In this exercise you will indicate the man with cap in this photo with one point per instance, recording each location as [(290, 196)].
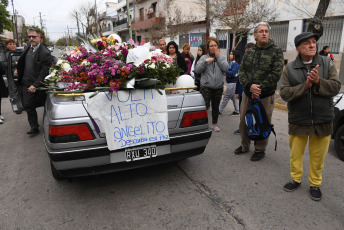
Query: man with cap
[(308, 85)]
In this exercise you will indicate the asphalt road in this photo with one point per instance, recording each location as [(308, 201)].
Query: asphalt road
[(215, 190)]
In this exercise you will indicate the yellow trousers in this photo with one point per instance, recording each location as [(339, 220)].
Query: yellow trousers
[(318, 148)]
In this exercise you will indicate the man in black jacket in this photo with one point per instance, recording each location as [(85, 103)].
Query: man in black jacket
[(33, 67)]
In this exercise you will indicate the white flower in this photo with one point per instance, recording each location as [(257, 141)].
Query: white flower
[(66, 67), (48, 77), (152, 66), (53, 73), (85, 63), (59, 62)]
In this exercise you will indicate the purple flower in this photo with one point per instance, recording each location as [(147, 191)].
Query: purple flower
[(125, 52)]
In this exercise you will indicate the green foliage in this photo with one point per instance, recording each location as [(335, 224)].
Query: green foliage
[(5, 21), (61, 42)]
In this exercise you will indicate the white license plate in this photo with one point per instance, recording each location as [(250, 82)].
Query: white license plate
[(134, 154)]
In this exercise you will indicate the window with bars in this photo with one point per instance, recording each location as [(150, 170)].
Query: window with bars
[(279, 34), (222, 37), (333, 28)]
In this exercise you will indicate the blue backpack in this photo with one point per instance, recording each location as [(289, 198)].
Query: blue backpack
[(257, 124)]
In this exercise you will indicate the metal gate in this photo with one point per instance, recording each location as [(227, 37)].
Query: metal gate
[(333, 29), (279, 34)]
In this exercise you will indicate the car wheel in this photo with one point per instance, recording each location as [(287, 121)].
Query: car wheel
[(339, 142), (55, 173)]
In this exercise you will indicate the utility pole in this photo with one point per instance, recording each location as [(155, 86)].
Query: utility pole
[(96, 16), (129, 21), (77, 21), (67, 36), (40, 20), (14, 21), (207, 18)]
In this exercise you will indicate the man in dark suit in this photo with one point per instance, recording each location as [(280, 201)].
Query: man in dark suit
[(33, 67)]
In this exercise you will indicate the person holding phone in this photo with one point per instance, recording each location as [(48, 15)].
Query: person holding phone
[(211, 67)]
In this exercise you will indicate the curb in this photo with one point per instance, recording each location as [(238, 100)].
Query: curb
[(279, 106)]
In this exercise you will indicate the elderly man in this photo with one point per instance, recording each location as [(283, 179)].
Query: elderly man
[(308, 85), (33, 67), (162, 46), (259, 73)]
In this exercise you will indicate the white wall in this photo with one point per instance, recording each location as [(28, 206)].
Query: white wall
[(295, 28)]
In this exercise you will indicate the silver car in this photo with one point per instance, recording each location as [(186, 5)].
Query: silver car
[(76, 149)]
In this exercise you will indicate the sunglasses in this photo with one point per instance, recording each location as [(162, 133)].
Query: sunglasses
[(33, 37)]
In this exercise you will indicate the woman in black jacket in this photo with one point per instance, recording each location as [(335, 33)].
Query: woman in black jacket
[(4, 58), (173, 52)]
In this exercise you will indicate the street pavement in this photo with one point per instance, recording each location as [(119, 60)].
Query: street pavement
[(215, 190)]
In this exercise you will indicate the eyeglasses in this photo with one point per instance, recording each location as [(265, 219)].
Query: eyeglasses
[(33, 37), (263, 31), (213, 46)]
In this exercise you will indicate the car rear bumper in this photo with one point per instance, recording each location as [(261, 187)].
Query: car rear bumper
[(98, 160)]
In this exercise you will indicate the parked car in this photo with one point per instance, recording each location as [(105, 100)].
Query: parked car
[(66, 123), (338, 125), (75, 148)]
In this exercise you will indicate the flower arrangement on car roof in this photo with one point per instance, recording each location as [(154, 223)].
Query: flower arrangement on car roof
[(111, 65)]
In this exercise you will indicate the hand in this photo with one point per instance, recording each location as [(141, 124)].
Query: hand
[(237, 96), (186, 59), (31, 89), (255, 90), (15, 73), (313, 76), (217, 52), (209, 59), (308, 84)]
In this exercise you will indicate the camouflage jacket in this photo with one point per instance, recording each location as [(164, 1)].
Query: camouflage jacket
[(262, 66)]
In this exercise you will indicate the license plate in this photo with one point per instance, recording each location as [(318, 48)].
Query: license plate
[(134, 154)]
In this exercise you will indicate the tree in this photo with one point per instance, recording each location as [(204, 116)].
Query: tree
[(5, 21), (239, 16), (173, 23), (61, 42), (316, 19), (86, 14)]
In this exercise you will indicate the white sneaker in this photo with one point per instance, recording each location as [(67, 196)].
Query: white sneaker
[(1, 121), (1, 117), (216, 128)]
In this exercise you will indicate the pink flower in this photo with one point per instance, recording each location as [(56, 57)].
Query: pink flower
[(143, 42), (131, 42)]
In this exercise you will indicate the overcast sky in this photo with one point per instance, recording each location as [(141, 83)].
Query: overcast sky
[(55, 14)]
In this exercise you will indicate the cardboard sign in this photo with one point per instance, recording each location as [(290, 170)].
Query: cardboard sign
[(130, 117)]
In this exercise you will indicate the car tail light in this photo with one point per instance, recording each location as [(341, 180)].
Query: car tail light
[(195, 118), (70, 133)]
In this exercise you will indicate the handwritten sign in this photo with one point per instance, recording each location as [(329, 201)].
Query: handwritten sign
[(130, 117)]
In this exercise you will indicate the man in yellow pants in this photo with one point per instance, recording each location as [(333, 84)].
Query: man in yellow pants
[(308, 85)]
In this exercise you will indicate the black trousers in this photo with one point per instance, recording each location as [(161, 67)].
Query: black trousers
[(30, 103)]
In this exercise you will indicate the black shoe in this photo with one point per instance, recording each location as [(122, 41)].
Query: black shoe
[(239, 151), (33, 131), (257, 156), (234, 114), (220, 114), (315, 193), (291, 186)]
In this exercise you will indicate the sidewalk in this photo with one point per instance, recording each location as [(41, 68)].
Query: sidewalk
[(279, 102)]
